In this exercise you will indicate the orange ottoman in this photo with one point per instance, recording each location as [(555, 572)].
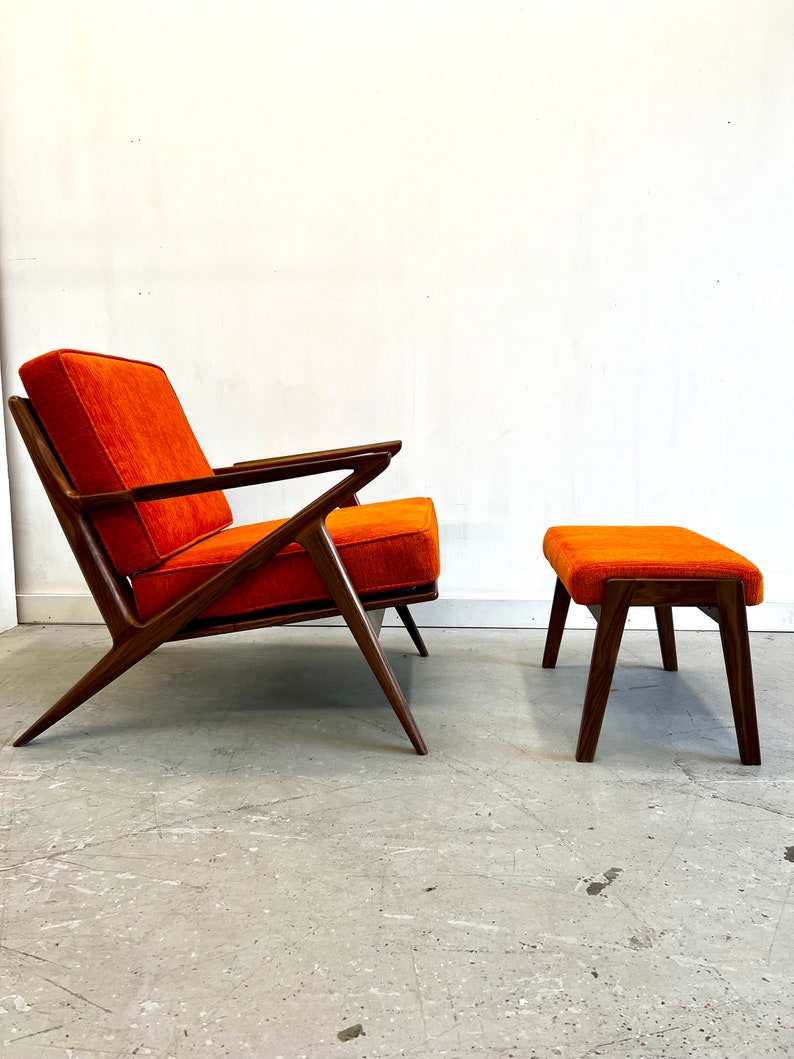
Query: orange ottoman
[(612, 568)]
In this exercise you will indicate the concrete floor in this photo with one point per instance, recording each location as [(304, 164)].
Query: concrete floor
[(235, 852)]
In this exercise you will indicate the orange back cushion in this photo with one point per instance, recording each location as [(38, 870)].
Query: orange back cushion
[(117, 424)]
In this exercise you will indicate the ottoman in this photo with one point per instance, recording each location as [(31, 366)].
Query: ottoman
[(612, 568)]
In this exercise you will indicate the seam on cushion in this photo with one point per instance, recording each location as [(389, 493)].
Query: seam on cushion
[(156, 572), (568, 549), (729, 561), (379, 538), (303, 599), (425, 501), (154, 569)]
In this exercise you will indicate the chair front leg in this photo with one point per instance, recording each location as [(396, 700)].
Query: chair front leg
[(320, 548), (609, 632), (739, 668), (559, 612)]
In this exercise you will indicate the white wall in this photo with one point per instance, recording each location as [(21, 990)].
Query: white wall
[(8, 602), (548, 244)]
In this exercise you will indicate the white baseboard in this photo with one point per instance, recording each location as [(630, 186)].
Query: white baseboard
[(448, 612)]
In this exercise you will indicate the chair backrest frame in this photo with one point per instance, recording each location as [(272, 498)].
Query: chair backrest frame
[(111, 590)]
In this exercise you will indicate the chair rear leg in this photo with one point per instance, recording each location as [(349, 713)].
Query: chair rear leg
[(664, 626), (739, 669), (408, 621), (609, 632), (559, 612), (321, 550)]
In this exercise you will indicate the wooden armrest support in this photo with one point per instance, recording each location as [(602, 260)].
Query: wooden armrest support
[(183, 611), (392, 447), (234, 478)]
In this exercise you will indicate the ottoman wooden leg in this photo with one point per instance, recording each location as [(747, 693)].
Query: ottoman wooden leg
[(738, 666), (664, 626), (559, 612), (611, 622)]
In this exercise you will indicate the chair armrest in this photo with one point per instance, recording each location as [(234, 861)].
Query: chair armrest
[(259, 473), (364, 469), (392, 447)]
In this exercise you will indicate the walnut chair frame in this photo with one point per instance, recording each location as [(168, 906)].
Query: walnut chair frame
[(132, 639), (722, 599)]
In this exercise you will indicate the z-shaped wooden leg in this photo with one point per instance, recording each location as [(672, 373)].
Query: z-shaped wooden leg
[(323, 554), (123, 655)]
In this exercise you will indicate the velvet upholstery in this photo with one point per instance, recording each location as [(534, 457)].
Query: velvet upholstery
[(407, 554), (584, 557), (117, 424)]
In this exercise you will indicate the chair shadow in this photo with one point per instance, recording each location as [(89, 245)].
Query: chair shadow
[(258, 681), (649, 708)]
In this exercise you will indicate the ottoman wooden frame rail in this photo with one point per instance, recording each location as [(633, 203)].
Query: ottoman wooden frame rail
[(612, 568)]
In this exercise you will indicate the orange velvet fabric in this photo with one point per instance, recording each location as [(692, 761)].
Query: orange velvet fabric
[(384, 546), (584, 557), (117, 424)]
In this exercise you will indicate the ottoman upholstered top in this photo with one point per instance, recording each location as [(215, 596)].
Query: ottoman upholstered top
[(584, 557)]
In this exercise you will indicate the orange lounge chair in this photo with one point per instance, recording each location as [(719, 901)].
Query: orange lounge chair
[(147, 520)]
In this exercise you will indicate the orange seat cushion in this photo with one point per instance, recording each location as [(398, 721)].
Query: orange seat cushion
[(384, 546), (117, 424), (584, 557)]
